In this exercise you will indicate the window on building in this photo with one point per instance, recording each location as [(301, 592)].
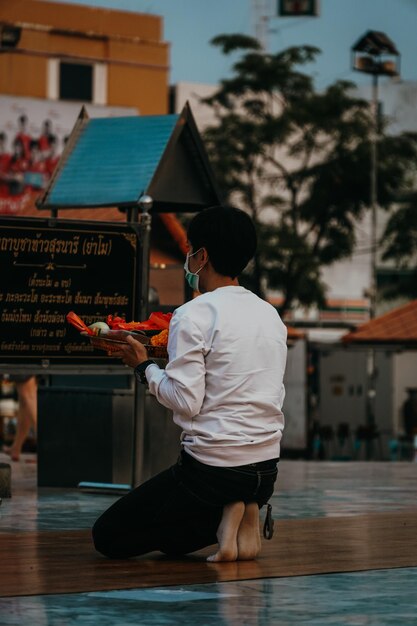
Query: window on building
[(76, 81)]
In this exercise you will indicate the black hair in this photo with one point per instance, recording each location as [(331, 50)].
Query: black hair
[(18, 142), (23, 119), (228, 234), (3, 136)]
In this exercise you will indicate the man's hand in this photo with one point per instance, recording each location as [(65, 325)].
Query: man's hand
[(133, 353)]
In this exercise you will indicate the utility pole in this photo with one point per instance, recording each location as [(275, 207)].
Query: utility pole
[(261, 14)]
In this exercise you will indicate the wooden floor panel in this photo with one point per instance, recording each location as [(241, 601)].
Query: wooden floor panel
[(34, 563)]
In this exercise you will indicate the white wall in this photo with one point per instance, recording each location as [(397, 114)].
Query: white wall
[(343, 387), (192, 93), (62, 115), (399, 102)]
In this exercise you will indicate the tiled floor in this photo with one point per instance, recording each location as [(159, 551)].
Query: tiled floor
[(304, 489), (315, 489), (379, 598)]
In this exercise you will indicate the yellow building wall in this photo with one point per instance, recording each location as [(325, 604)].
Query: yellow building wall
[(126, 83), (22, 76), (128, 43), (82, 18)]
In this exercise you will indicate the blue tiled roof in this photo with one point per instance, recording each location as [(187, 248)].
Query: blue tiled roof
[(126, 150)]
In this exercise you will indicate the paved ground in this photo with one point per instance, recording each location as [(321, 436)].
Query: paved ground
[(304, 490)]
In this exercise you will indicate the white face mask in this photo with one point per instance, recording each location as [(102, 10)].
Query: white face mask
[(192, 278)]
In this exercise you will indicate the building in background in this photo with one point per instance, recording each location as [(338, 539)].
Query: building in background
[(33, 134), (68, 52), (56, 58), (193, 93)]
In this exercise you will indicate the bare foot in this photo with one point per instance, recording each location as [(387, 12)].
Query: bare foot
[(248, 538), (227, 533), (12, 454)]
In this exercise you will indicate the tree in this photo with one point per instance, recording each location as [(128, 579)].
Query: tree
[(400, 245), (298, 161)]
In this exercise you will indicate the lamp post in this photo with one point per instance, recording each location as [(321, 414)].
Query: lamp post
[(375, 54), (141, 223)]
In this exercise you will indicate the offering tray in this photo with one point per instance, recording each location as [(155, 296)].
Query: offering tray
[(109, 344)]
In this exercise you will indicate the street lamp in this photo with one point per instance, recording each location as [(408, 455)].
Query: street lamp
[(375, 54)]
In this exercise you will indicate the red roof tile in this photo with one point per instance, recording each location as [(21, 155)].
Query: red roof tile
[(396, 326)]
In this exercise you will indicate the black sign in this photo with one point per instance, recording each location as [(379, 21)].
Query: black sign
[(45, 272), (9, 36), (298, 8)]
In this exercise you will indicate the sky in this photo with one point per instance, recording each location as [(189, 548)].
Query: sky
[(189, 25)]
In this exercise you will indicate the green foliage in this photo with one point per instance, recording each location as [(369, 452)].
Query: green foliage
[(298, 161), (400, 239)]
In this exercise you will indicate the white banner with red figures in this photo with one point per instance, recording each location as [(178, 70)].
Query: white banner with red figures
[(33, 133)]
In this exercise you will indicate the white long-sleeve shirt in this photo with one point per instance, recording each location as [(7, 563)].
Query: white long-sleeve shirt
[(224, 379)]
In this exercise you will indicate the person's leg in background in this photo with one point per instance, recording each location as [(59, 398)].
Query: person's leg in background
[(27, 414)]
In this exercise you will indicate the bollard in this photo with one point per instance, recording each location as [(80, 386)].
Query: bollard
[(5, 481)]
